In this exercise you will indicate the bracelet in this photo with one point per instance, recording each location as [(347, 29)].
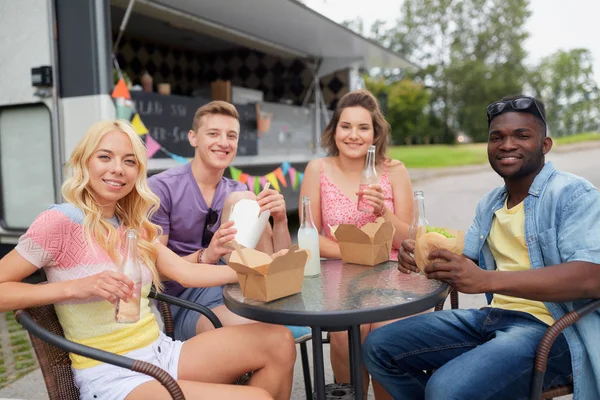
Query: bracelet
[(200, 253)]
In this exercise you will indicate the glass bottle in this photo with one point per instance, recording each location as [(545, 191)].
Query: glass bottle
[(308, 238), (129, 311), (367, 177), (419, 218)]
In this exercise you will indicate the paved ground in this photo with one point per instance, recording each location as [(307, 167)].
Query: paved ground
[(450, 200)]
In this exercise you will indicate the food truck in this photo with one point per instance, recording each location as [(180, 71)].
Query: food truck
[(282, 64)]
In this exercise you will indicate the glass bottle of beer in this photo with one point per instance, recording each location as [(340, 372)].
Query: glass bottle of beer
[(308, 238), (419, 218), (367, 177), (129, 311)]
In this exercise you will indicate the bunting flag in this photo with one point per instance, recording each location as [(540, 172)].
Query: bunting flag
[(301, 175), (257, 186), (263, 181), (250, 182), (138, 126), (124, 111), (285, 166), (292, 172), (280, 176), (121, 90), (273, 181), (151, 146), (296, 182), (235, 173), (243, 178)]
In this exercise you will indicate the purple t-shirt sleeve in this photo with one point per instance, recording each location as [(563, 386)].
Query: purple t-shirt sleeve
[(162, 216)]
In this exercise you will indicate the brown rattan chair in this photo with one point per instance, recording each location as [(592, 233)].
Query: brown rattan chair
[(52, 350), (544, 348)]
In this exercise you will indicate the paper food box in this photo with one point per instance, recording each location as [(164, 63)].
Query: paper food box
[(369, 245), (430, 238), (265, 279), (249, 222)]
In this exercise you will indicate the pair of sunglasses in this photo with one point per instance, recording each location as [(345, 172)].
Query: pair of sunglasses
[(519, 104), (211, 219)]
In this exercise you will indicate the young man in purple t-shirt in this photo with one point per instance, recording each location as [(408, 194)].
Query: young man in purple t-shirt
[(195, 198)]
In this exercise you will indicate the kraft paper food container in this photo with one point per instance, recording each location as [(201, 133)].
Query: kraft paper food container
[(249, 222), (266, 279), (369, 245), (425, 243)]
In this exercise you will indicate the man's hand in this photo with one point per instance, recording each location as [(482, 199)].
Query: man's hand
[(273, 201), (218, 245), (458, 271), (406, 263)]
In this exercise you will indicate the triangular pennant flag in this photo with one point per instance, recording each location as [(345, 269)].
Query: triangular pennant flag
[(250, 182), (285, 166), (257, 186), (296, 181), (235, 173), (301, 175), (179, 159), (292, 173), (263, 182), (151, 146), (124, 112), (121, 90), (279, 174), (138, 126), (273, 180), (243, 178)]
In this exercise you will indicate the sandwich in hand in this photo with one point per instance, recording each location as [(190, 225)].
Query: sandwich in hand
[(430, 238)]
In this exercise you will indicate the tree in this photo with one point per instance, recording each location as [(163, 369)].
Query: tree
[(565, 81)]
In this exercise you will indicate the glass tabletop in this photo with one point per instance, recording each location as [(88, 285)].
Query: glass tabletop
[(345, 294)]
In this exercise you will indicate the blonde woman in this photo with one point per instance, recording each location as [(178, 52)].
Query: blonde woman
[(80, 243)]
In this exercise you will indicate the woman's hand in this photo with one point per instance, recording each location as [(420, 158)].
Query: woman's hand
[(110, 285), (374, 197), (274, 202), (406, 262), (218, 246)]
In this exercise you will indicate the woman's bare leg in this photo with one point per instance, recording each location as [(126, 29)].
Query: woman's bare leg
[(199, 391), (226, 317), (223, 355)]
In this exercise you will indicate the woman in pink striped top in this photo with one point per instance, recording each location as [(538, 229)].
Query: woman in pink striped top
[(332, 185), (80, 243)]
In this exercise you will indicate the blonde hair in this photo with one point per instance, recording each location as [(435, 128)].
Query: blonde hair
[(381, 128), (216, 107), (133, 211)]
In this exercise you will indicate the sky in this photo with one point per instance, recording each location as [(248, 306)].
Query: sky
[(554, 24)]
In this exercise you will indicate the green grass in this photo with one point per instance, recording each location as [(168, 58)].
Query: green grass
[(441, 156), (438, 156), (580, 137)]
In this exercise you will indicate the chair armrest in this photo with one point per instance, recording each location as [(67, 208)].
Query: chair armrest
[(212, 317), (453, 294), (548, 339), (64, 344)]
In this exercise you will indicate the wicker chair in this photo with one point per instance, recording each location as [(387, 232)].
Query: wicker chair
[(544, 348), (52, 350)]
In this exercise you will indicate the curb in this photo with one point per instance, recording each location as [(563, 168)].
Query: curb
[(423, 174)]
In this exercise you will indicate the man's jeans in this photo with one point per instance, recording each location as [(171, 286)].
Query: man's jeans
[(477, 354)]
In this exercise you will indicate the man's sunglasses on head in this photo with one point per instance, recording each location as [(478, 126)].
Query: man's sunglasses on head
[(518, 104)]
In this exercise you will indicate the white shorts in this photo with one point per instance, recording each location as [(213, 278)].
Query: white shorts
[(109, 382)]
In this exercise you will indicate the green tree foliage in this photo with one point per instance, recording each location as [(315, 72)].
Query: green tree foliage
[(565, 80)]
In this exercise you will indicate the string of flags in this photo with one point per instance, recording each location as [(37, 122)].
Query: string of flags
[(126, 110)]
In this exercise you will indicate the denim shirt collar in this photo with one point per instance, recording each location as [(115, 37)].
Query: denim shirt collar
[(537, 186)]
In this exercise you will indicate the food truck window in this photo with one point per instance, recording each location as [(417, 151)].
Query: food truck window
[(25, 164)]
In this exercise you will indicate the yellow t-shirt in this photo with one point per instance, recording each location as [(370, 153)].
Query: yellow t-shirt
[(508, 245)]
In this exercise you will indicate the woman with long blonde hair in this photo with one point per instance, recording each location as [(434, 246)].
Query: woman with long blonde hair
[(79, 244)]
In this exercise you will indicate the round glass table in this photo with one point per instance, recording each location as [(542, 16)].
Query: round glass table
[(343, 297)]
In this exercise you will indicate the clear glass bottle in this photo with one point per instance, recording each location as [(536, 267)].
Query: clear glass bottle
[(308, 238), (367, 177), (419, 218), (129, 311)]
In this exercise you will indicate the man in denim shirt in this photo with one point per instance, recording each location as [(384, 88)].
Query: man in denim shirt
[(534, 249)]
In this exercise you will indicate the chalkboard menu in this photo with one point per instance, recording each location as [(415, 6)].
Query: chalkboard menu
[(169, 119)]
